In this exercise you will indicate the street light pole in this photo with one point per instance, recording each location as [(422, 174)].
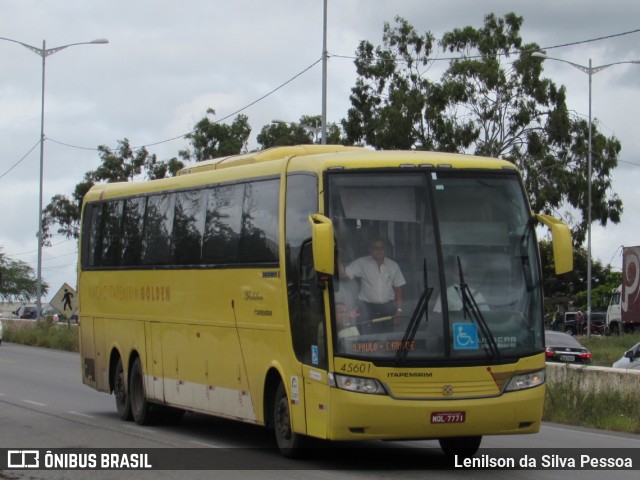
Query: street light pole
[(44, 53), (590, 70), (324, 74)]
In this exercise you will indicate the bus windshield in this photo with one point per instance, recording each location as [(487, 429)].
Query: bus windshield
[(434, 267)]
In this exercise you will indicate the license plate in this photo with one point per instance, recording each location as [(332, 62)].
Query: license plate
[(567, 358), (448, 417)]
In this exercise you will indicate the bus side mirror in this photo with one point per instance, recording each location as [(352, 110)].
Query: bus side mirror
[(561, 240), (323, 244)]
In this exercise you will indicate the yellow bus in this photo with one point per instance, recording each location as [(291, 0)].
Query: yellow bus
[(227, 290)]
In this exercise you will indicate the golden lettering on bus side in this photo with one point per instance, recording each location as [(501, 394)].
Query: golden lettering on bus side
[(130, 293), (253, 296), (155, 293)]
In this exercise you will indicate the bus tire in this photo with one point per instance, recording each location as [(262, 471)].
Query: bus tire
[(120, 391), (463, 447), (289, 443), (140, 407)]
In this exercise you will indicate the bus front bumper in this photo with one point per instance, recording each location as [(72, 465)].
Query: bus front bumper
[(356, 416)]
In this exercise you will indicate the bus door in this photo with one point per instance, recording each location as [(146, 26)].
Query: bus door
[(313, 345)]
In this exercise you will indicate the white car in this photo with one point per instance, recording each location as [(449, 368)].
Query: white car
[(0, 332), (630, 360)]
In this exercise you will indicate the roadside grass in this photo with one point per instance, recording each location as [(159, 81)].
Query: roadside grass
[(606, 350), (610, 410), (43, 333)]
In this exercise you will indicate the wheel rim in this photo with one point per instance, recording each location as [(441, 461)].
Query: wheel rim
[(282, 421), (135, 393), (121, 393)]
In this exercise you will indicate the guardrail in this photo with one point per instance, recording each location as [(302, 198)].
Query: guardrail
[(594, 379)]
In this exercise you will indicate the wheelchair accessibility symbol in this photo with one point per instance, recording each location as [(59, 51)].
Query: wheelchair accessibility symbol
[(465, 336)]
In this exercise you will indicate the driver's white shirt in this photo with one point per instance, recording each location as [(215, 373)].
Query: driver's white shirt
[(377, 283)]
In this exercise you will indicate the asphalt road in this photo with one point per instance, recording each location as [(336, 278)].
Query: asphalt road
[(43, 404)]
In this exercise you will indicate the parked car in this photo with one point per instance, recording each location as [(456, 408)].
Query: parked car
[(562, 347), (630, 360), (598, 323), (52, 312), (26, 312)]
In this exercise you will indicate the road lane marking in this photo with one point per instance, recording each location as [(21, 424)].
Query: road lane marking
[(31, 402), (81, 414)]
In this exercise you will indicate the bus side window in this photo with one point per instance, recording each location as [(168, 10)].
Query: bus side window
[(158, 230), (133, 222)]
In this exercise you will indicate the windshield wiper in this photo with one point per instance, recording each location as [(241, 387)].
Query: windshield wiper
[(418, 312), (470, 308)]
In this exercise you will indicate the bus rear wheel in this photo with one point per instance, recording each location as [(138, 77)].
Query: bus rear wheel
[(140, 407), (289, 443), (120, 391), (464, 447)]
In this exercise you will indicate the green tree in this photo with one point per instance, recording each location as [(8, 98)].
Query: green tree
[(390, 108), (278, 134), (18, 281), (307, 130), (211, 139), (572, 286), (491, 100)]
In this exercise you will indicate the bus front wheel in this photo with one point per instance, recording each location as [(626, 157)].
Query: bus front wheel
[(464, 447), (140, 407), (289, 443), (120, 391)]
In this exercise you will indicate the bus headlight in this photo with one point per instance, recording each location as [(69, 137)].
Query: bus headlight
[(356, 384), (526, 380)]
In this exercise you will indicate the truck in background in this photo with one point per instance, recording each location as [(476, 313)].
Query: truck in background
[(623, 314)]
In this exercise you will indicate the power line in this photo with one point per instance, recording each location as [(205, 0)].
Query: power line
[(56, 267), (20, 161), (630, 163), (71, 146), (570, 44), (606, 37), (34, 251), (580, 42), (216, 121)]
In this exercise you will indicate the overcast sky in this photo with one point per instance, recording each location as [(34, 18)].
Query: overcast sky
[(167, 62)]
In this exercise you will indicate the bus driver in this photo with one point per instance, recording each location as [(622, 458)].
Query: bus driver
[(381, 282)]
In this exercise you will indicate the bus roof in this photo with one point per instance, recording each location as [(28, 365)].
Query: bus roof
[(313, 158), (275, 153)]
